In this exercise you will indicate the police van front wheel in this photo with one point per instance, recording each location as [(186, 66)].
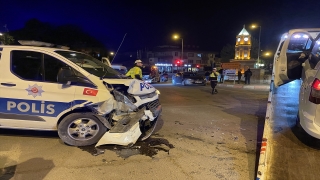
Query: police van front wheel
[(81, 129)]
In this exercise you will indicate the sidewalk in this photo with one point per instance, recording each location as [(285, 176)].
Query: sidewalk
[(230, 84)]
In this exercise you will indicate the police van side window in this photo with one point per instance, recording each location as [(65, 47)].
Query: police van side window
[(26, 65), (51, 68)]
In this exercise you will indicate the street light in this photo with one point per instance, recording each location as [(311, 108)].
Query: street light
[(177, 37), (263, 61), (255, 26)]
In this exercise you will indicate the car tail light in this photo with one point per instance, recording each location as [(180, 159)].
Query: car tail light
[(315, 92)]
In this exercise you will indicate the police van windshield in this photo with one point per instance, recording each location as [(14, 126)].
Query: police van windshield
[(90, 64)]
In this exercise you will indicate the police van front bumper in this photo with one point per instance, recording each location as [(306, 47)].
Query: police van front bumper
[(127, 130)]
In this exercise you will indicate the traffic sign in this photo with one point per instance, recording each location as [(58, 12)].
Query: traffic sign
[(230, 65)]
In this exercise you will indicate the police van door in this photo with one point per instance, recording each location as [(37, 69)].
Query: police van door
[(31, 97), (293, 50)]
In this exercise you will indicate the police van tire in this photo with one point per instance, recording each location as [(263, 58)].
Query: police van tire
[(81, 129)]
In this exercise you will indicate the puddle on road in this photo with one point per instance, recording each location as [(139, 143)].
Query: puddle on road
[(149, 147)]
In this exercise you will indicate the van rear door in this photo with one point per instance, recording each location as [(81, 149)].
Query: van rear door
[(294, 48)]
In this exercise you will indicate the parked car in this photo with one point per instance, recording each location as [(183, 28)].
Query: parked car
[(297, 57), (164, 77), (188, 78)]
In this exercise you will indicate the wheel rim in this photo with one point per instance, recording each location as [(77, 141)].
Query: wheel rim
[(83, 129)]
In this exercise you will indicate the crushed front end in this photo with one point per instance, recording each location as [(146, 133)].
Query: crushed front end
[(134, 116)]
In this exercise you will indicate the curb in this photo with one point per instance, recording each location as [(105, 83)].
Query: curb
[(257, 86), (263, 159)]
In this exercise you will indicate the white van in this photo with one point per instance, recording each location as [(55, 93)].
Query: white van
[(44, 88), (297, 57), (121, 69)]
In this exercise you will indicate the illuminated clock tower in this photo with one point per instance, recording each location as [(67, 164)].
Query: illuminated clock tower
[(243, 45), (243, 49)]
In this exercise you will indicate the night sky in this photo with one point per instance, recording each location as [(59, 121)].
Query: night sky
[(206, 23)]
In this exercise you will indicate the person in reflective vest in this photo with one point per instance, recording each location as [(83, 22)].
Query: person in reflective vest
[(214, 80), (136, 72)]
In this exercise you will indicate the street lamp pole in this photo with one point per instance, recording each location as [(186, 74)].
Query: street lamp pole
[(181, 57), (181, 49), (259, 45), (1, 42)]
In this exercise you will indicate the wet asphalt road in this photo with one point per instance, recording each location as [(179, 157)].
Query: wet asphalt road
[(199, 136), (294, 154)]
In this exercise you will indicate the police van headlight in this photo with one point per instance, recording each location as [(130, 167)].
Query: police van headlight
[(148, 81), (158, 92)]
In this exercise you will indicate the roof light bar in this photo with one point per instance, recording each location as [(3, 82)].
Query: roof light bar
[(35, 43), (41, 44)]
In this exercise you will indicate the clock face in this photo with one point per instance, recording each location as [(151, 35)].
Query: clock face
[(245, 39), (238, 39)]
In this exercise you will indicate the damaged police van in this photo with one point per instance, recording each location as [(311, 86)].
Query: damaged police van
[(297, 57), (43, 87)]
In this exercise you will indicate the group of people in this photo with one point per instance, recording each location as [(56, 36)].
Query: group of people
[(136, 73), (247, 76)]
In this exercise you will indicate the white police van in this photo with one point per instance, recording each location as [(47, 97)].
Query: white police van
[(297, 57), (47, 88)]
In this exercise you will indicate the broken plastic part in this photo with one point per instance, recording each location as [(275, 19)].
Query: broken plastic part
[(129, 137), (125, 132), (103, 107), (122, 98), (149, 114)]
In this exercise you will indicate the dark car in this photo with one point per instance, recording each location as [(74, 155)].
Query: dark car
[(188, 78), (164, 77)]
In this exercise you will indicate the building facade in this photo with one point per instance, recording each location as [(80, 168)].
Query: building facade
[(168, 58)]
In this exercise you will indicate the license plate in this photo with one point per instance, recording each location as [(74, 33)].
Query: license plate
[(198, 81)]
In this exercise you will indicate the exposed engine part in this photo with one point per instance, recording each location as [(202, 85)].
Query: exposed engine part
[(127, 122), (148, 115), (104, 121), (124, 99)]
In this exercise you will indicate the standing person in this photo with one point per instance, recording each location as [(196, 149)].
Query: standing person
[(247, 76), (239, 76), (136, 72), (221, 75), (207, 74), (214, 80)]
